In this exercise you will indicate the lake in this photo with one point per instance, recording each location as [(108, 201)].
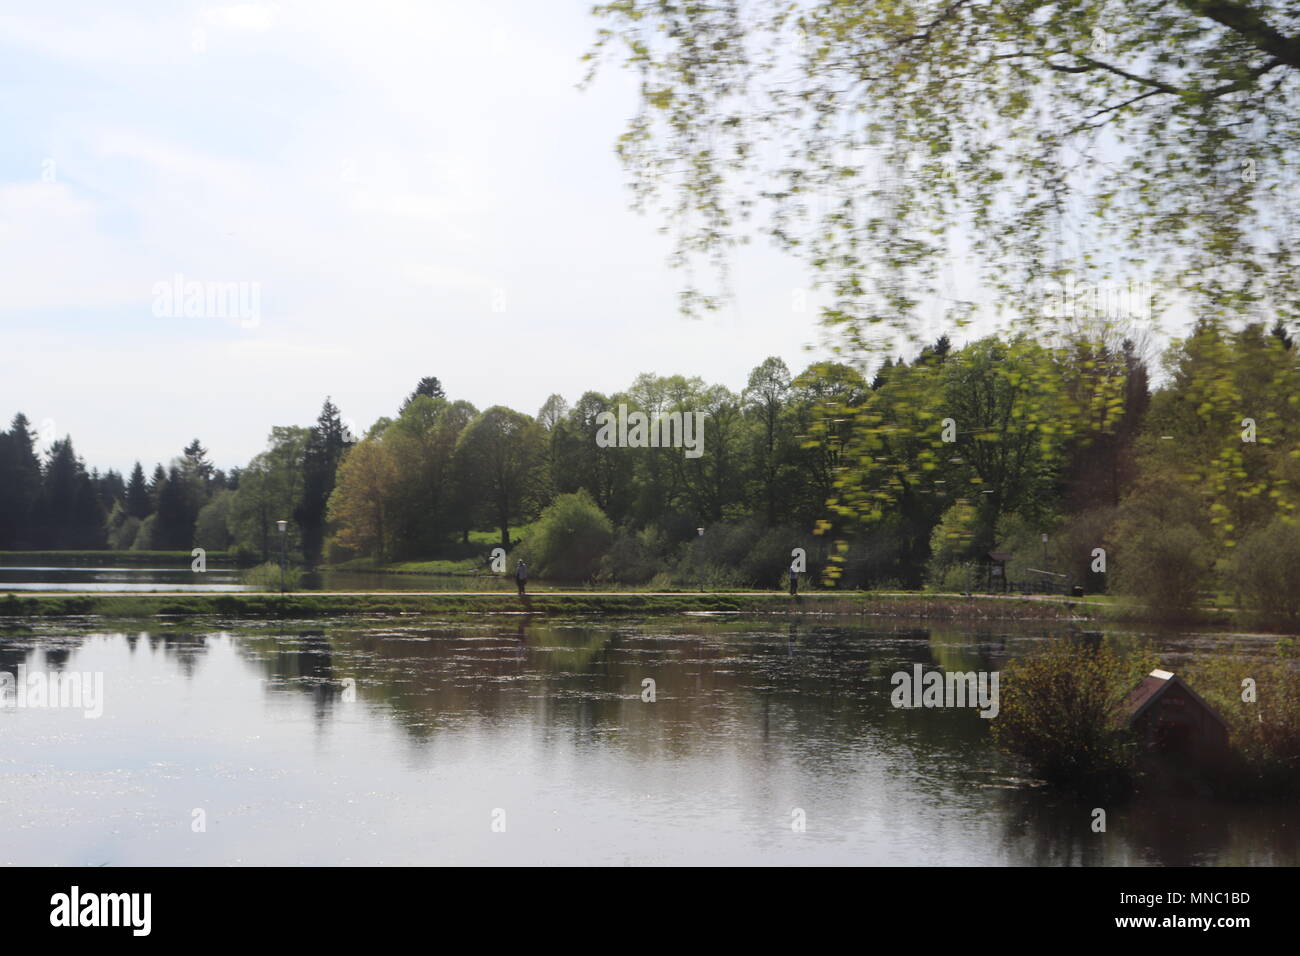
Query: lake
[(218, 579), (391, 741)]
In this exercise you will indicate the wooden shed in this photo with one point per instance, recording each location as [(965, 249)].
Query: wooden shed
[(996, 578), (1169, 717)]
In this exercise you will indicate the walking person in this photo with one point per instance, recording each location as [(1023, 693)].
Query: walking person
[(521, 576), (794, 581)]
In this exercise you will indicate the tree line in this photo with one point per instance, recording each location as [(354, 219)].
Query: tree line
[(905, 477)]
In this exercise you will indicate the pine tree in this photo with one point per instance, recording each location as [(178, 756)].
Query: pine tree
[(20, 486), (176, 513), (110, 488), (195, 464), (138, 502), (156, 485), (70, 513), (325, 447), (427, 386)]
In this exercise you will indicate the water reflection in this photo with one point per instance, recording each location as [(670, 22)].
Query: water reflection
[(142, 580), (393, 742)]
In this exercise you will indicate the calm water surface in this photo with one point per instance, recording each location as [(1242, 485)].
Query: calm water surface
[(117, 579), (544, 726), (215, 579)]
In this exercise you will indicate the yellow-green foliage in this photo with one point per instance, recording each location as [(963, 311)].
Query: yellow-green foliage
[(1059, 707), (1259, 697), (266, 577), (1265, 571)]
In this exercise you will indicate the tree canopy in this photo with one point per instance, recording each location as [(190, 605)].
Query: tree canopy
[(1086, 137)]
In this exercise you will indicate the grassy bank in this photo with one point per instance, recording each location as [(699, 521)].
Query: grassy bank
[(309, 605), (463, 567)]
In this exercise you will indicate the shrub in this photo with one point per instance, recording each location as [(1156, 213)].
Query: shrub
[(950, 542), (882, 558), (961, 578), (634, 557), (122, 529), (1265, 570), (266, 577), (1265, 731), (144, 537), (1163, 566), (1059, 708), (1073, 544), (569, 539), (211, 529)]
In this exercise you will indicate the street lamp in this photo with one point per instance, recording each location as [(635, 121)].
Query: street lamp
[(283, 526), (700, 558)]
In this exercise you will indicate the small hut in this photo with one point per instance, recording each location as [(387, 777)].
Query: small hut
[(1169, 717), (996, 579)]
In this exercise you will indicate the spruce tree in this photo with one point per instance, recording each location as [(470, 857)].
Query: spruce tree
[(428, 385), (20, 486), (138, 502), (325, 447)]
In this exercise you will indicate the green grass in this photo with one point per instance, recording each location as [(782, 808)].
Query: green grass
[(492, 539), (447, 566)]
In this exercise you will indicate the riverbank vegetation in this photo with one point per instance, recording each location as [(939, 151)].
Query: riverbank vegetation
[(903, 479), (274, 605), (1062, 710), (1260, 700)]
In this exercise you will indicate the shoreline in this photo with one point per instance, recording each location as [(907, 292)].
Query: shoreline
[(608, 603), (300, 604)]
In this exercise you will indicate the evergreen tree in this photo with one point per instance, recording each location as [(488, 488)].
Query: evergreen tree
[(195, 465), (70, 515), (138, 502), (112, 490), (20, 485), (177, 513), (325, 447), (427, 386), (156, 485)]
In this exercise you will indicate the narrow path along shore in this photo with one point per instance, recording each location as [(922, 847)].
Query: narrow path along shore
[(816, 595)]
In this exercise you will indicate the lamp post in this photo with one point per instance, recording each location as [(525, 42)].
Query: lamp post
[(700, 558), (284, 528)]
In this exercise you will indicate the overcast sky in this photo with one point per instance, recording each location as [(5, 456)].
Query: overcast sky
[(409, 188)]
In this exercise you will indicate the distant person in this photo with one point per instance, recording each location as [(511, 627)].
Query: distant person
[(521, 576), (794, 580)]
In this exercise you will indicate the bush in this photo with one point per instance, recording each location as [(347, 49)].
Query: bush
[(634, 557), (211, 531), (961, 578), (1265, 732), (266, 577), (122, 529), (144, 537), (244, 555), (1059, 708), (881, 559), (568, 541), (1265, 571), (1163, 566), (950, 542), (1074, 542)]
